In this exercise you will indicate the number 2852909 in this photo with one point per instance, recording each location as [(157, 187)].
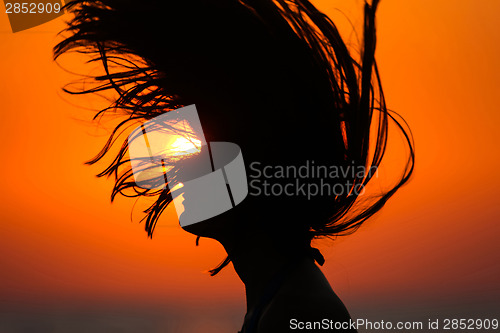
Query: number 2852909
[(32, 8)]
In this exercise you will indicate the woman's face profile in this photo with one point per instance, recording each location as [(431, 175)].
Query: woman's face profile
[(206, 178)]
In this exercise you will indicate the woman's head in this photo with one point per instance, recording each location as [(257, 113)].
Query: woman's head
[(274, 77)]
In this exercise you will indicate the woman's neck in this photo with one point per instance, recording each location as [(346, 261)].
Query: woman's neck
[(257, 260)]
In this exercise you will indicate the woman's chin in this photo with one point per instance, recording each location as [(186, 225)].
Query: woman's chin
[(210, 228)]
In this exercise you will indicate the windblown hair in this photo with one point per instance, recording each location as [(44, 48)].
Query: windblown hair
[(153, 50)]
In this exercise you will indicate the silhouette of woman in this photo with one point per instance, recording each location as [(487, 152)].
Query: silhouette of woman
[(276, 78)]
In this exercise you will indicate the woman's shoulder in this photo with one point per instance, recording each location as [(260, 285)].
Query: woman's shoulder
[(306, 301), (314, 312)]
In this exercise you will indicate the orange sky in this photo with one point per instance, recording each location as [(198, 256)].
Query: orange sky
[(62, 242)]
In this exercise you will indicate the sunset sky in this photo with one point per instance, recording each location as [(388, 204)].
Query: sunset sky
[(67, 252)]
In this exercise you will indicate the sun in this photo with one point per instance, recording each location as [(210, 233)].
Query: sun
[(183, 146)]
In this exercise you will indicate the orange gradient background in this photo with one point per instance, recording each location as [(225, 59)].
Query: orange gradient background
[(68, 256)]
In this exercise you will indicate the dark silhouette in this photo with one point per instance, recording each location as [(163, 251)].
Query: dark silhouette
[(274, 77)]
